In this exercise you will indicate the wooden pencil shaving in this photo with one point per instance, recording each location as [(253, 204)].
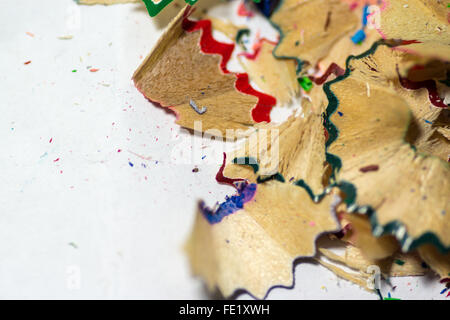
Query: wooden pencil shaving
[(387, 164), (370, 146), (428, 122), (254, 247), (293, 150)]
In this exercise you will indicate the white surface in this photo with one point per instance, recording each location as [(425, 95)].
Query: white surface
[(128, 223)]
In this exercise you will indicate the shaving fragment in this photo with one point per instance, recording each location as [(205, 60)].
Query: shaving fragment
[(195, 107), (274, 76), (382, 67), (357, 279)]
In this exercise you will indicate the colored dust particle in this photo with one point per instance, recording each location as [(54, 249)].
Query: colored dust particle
[(94, 70), (358, 117), (369, 168), (28, 62), (196, 108), (359, 36), (74, 70), (306, 83), (399, 262)]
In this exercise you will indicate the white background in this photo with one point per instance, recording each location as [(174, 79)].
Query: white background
[(71, 206)]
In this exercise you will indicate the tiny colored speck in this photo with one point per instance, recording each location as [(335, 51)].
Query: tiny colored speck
[(72, 244), (74, 70), (340, 113), (28, 62), (399, 262), (428, 121), (369, 168), (56, 160), (131, 164), (94, 70), (305, 83)]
